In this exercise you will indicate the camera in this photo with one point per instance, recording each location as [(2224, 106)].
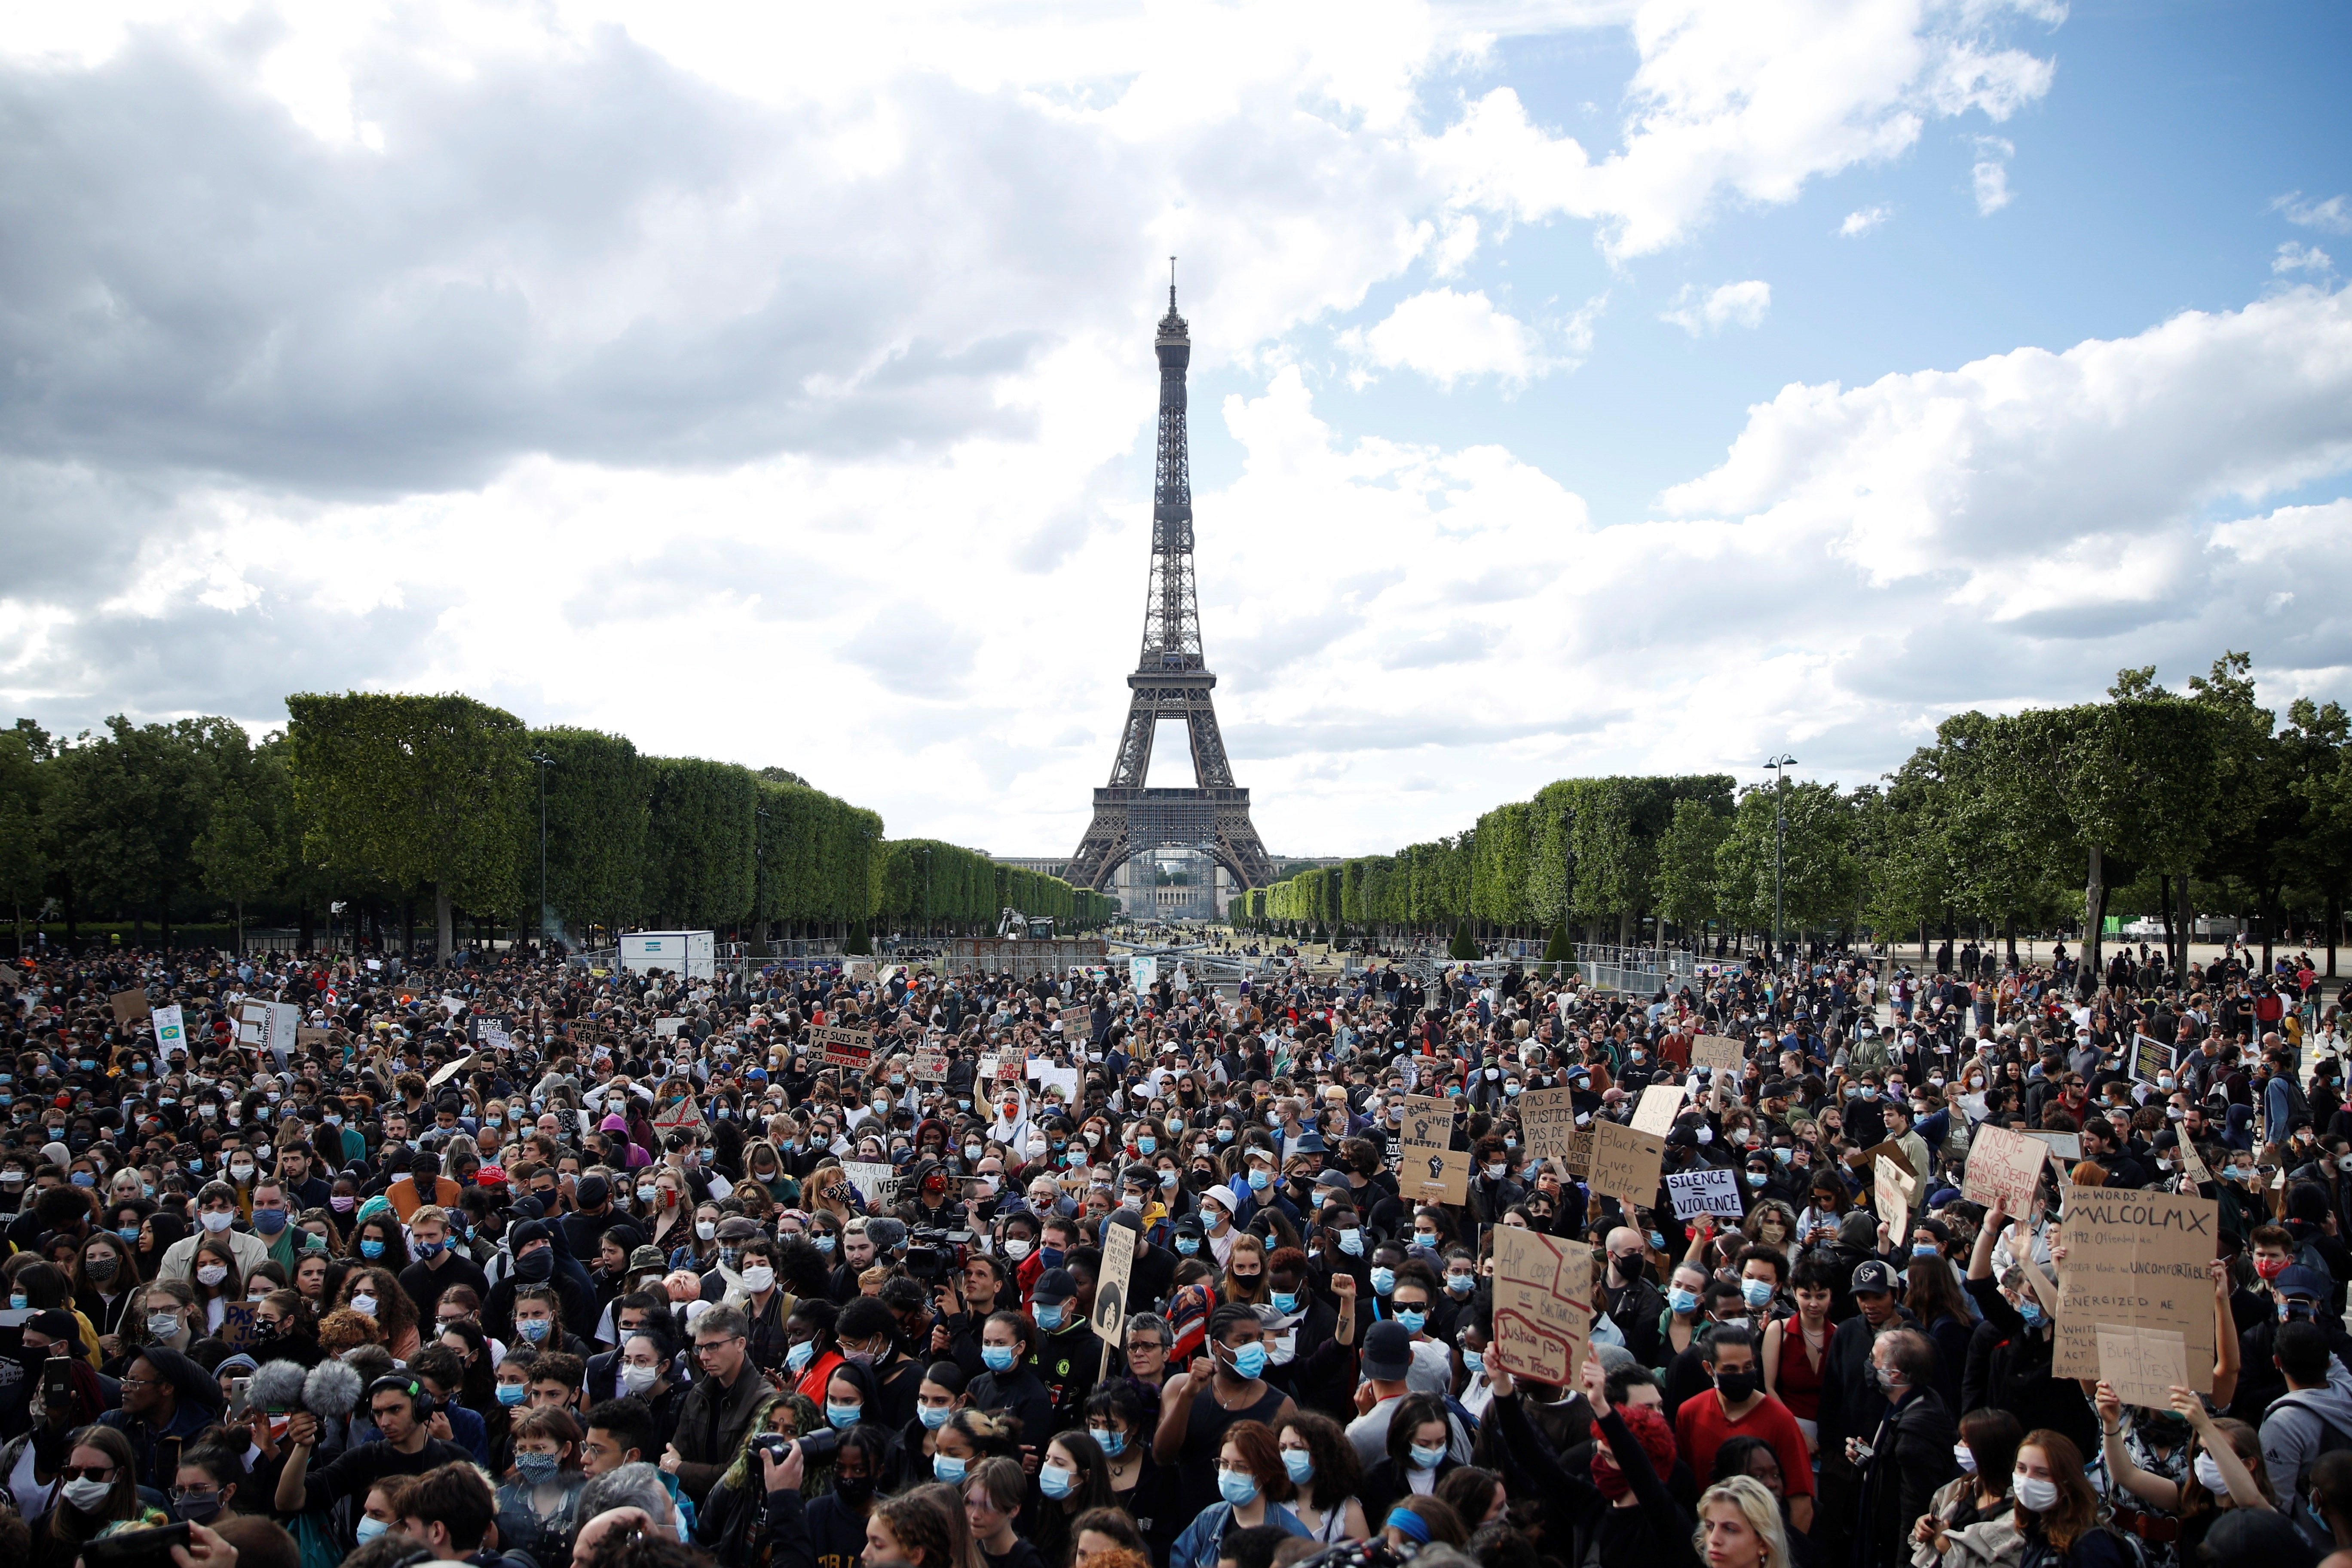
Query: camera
[(931, 1251), (816, 1447)]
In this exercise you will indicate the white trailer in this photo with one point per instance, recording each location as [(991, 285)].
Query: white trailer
[(686, 952)]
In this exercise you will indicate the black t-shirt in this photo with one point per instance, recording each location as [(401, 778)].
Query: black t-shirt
[(1022, 1555), (356, 1469)]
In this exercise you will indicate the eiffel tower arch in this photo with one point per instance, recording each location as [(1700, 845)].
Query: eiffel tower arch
[(1172, 680)]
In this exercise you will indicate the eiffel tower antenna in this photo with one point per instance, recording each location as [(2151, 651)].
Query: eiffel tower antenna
[(1172, 680)]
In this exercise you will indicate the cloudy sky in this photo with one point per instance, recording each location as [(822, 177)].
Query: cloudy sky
[(1580, 386)]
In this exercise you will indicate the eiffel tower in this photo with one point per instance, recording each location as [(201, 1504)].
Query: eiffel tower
[(1172, 680)]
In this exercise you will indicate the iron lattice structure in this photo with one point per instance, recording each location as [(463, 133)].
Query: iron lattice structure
[(1172, 680)]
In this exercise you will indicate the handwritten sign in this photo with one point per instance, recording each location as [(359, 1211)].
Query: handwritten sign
[(871, 1177), (1891, 1195), (1710, 1189), (2137, 1259), (1077, 1021), (2142, 1365), (842, 1047), (1543, 1305), (130, 1006), (685, 1114), (1720, 1052), (931, 1067), (1548, 1123), (1625, 1161), (2192, 1165), (1431, 1170), (1660, 1103), (2004, 1167), (170, 1035), (1111, 1279)]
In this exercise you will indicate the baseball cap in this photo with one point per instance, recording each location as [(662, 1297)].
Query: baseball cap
[(1873, 1279), (1054, 1285), (1387, 1350), (2298, 1280)]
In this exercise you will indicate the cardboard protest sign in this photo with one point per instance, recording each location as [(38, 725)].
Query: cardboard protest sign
[(1009, 1065), (1543, 1306), (463, 1064), (2137, 1259), (1890, 1196), (1547, 1122), (2193, 1164), (1660, 1103), (667, 1028), (2004, 1167), (685, 1114), (170, 1036), (308, 1040), (1890, 1150), (1142, 973), (931, 1067), (1709, 1189), (872, 1178), (842, 1047), (2067, 1146), (130, 1006), (1625, 1161), (2149, 1058), (2143, 1365), (1047, 1076), (1431, 1171), (1077, 1021), (250, 1019), (1717, 1051), (1110, 1285)]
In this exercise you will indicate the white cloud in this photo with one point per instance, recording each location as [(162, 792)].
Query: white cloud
[(1991, 174), (1747, 99), (1863, 221), (1703, 312), (2295, 258), (2331, 214), (1450, 337)]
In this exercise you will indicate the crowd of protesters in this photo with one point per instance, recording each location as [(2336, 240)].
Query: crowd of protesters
[(520, 1262)]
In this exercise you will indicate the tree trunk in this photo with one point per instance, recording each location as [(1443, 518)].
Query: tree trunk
[(240, 925), (2184, 927), (2095, 910), (2009, 929), (2270, 923)]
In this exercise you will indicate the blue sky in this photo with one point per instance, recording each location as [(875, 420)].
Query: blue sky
[(1580, 386)]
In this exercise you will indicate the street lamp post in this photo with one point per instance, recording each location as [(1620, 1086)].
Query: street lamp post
[(543, 762), (1779, 766), (759, 866)]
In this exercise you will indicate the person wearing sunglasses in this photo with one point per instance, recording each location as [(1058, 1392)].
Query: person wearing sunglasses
[(97, 1488)]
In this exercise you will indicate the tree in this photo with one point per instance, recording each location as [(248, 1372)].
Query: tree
[(422, 791), (1688, 893), (241, 851), (599, 808), (699, 858), (24, 849), (125, 807), (1821, 877)]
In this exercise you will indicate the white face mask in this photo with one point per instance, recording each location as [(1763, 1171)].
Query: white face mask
[(758, 1278), (212, 1273), (2208, 1473), (637, 1379), (2039, 1495)]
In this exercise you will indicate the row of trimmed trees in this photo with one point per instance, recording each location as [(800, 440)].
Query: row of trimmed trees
[(379, 801), (2151, 803)]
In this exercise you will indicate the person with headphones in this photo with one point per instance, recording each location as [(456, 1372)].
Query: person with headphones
[(400, 1409)]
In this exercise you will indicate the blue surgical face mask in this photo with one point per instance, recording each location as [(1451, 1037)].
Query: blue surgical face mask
[(1756, 1292), (1284, 1302), (1300, 1464), (1383, 1279), (1352, 1242), (1682, 1300), (1460, 1283), (371, 1248), (2032, 1312), (1055, 1482), (1186, 1246), (950, 1471), (1249, 1360), (999, 1358), (1425, 1458), (1238, 1488), (800, 1355), (1657, 1242), (1048, 1315), (1259, 1181), (368, 1529), (1112, 1444), (1146, 1144), (844, 1416), (513, 1393), (1474, 1361), (1922, 1252), (933, 1416), (1413, 1318)]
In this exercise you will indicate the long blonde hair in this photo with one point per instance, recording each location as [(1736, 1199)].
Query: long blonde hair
[(1756, 1504)]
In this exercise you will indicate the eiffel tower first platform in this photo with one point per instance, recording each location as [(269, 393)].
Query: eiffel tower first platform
[(1172, 680)]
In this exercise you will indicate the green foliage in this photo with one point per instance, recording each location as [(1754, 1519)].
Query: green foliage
[(1558, 949), (1687, 892), (1461, 946), (599, 821), (699, 854), (421, 791)]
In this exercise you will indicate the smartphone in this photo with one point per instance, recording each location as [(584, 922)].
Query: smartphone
[(135, 1548), (56, 1386), (240, 1390)]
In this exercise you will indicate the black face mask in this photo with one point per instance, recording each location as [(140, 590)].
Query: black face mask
[(852, 1490), (1735, 1386), (1632, 1267)]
